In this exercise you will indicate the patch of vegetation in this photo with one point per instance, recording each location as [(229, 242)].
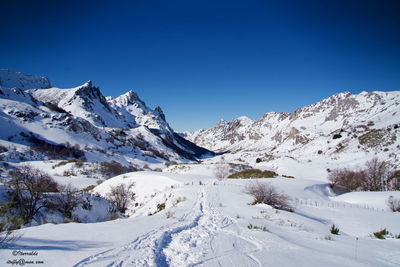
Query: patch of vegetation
[(158, 153), (287, 176), (334, 230), (88, 188), (337, 136), (264, 193), (253, 173), (79, 164), (65, 162), (255, 227), (55, 107), (160, 207), (59, 151), (376, 176), (113, 168), (10, 220), (381, 234), (393, 204), (3, 149), (372, 138)]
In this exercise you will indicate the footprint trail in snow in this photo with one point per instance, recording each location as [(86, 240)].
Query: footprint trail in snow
[(200, 237)]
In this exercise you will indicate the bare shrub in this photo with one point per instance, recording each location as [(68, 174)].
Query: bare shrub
[(351, 180), (268, 194), (169, 214), (393, 204), (59, 151), (376, 176), (10, 220), (221, 171), (67, 200), (253, 173), (114, 168), (120, 196), (29, 188)]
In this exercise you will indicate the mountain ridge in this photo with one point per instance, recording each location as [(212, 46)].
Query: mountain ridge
[(365, 122), (122, 128)]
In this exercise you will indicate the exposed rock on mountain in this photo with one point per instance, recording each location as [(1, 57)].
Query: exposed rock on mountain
[(363, 125), (82, 119)]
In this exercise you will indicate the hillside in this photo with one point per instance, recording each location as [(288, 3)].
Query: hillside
[(38, 123), (344, 128), (186, 219)]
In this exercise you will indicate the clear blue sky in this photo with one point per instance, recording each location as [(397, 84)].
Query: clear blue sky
[(206, 60)]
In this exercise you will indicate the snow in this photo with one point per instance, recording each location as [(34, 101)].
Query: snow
[(183, 216), (376, 200), (11, 79), (209, 227)]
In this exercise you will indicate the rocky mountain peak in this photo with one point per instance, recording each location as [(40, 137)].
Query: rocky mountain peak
[(342, 123), (160, 112)]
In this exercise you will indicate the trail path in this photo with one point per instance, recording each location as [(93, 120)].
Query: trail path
[(202, 236)]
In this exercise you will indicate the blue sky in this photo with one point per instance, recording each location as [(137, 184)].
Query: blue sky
[(206, 60)]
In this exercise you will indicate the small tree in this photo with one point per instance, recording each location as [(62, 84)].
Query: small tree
[(28, 188), (334, 230), (67, 200), (376, 176), (221, 171), (351, 180), (377, 173), (120, 196), (393, 204), (267, 194)]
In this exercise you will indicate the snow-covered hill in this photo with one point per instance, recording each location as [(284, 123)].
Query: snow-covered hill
[(182, 215), (123, 129), (341, 127), (190, 219)]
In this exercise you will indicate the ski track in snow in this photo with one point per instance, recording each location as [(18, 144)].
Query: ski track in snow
[(197, 238)]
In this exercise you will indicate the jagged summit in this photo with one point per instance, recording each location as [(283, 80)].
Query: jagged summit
[(129, 98), (364, 125), (123, 126)]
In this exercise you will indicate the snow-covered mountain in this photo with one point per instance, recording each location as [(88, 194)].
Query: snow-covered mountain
[(363, 125), (11, 79), (102, 129)]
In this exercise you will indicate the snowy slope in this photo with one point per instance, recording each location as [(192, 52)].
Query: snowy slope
[(339, 128), (209, 224), (123, 129)]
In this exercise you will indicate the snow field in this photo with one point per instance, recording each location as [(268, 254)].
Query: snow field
[(210, 227)]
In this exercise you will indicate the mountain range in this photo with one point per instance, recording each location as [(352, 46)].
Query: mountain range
[(344, 128), (38, 122)]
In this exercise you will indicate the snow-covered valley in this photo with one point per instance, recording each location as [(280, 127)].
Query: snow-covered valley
[(179, 207), (211, 223)]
